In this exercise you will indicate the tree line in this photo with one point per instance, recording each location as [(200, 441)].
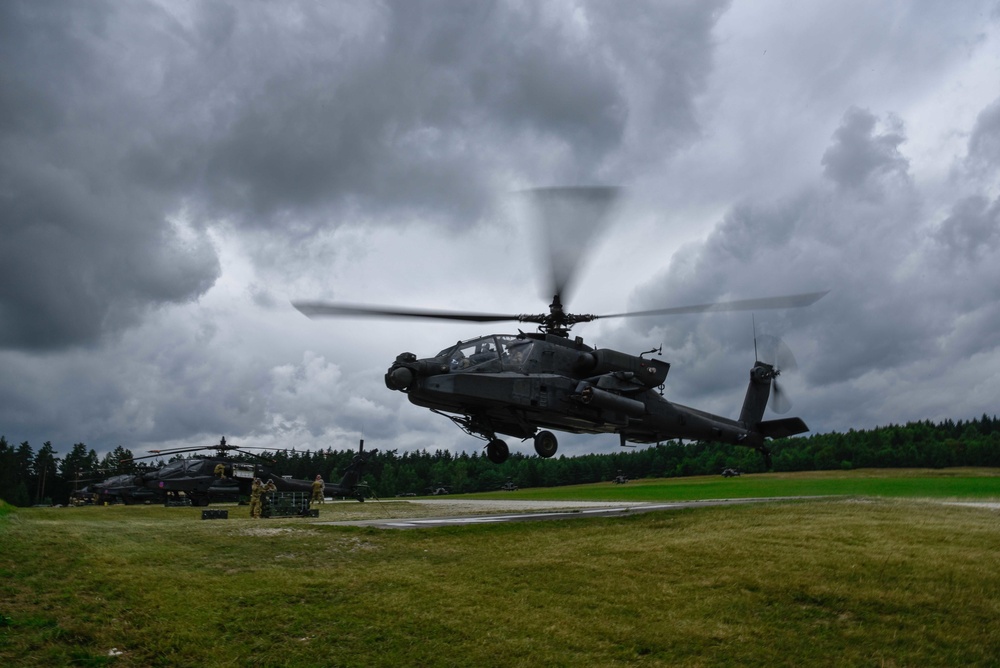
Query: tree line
[(30, 477)]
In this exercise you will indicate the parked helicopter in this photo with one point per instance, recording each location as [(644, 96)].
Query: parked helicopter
[(523, 385), (206, 479), (124, 488), (350, 484)]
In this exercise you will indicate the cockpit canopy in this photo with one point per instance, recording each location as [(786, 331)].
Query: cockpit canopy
[(181, 467), (488, 353), (529, 354)]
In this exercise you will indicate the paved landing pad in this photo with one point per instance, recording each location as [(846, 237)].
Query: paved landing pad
[(555, 511)]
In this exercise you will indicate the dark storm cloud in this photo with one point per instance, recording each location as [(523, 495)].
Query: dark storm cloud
[(127, 131), (859, 158), (972, 231), (981, 166), (984, 143), (85, 250), (965, 247), (909, 293), (413, 107), (822, 238), (425, 105)]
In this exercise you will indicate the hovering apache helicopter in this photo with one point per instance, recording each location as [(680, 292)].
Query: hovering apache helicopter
[(522, 385), (203, 481)]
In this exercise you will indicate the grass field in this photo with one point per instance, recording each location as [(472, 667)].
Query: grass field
[(959, 483), (887, 575)]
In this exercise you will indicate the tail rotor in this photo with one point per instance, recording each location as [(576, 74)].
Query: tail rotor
[(775, 353), (773, 357)]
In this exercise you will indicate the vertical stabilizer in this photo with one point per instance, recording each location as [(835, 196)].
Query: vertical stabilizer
[(758, 392), (350, 483)]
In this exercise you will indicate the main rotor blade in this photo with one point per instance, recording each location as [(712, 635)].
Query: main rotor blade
[(569, 218), (786, 301), (138, 457), (166, 453), (176, 451), (268, 460), (328, 309)]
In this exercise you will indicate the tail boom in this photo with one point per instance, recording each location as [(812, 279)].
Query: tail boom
[(754, 405)]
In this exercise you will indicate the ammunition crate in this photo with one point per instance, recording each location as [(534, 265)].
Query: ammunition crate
[(215, 514), (287, 504)]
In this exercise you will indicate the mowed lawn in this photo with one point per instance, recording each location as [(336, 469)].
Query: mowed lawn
[(959, 483), (868, 578)]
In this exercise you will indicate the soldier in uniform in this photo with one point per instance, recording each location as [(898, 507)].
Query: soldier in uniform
[(265, 496), (255, 490), (220, 470), (317, 490)]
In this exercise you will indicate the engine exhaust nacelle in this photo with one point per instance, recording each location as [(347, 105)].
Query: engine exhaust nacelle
[(649, 372), (592, 396)]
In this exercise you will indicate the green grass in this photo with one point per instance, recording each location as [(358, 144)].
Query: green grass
[(870, 580), (923, 483)]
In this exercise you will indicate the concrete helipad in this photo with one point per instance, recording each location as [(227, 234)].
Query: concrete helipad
[(466, 512)]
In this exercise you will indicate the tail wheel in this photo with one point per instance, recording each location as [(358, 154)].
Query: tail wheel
[(546, 444), (497, 451)]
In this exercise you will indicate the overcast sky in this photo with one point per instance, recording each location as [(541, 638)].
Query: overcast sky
[(173, 174)]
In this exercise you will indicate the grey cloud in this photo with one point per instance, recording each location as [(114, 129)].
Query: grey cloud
[(909, 295), (86, 250), (409, 113), (426, 108), (984, 142), (821, 238), (965, 245), (117, 121), (859, 159), (972, 230)]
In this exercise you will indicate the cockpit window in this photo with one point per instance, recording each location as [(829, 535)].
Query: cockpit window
[(489, 353), (174, 467), (515, 352), (472, 354)]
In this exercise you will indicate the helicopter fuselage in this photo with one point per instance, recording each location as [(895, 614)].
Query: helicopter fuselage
[(517, 385)]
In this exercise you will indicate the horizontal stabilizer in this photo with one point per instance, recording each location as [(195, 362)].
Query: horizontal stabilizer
[(782, 428)]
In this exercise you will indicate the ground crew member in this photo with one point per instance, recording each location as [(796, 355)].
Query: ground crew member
[(255, 490), (317, 490), (265, 496)]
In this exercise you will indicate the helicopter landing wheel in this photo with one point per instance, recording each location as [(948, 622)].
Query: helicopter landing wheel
[(497, 451), (546, 444)]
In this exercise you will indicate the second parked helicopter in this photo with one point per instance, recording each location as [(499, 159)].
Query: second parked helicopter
[(220, 478)]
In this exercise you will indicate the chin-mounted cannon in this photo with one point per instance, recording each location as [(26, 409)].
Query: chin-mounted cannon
[(407, 368)]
